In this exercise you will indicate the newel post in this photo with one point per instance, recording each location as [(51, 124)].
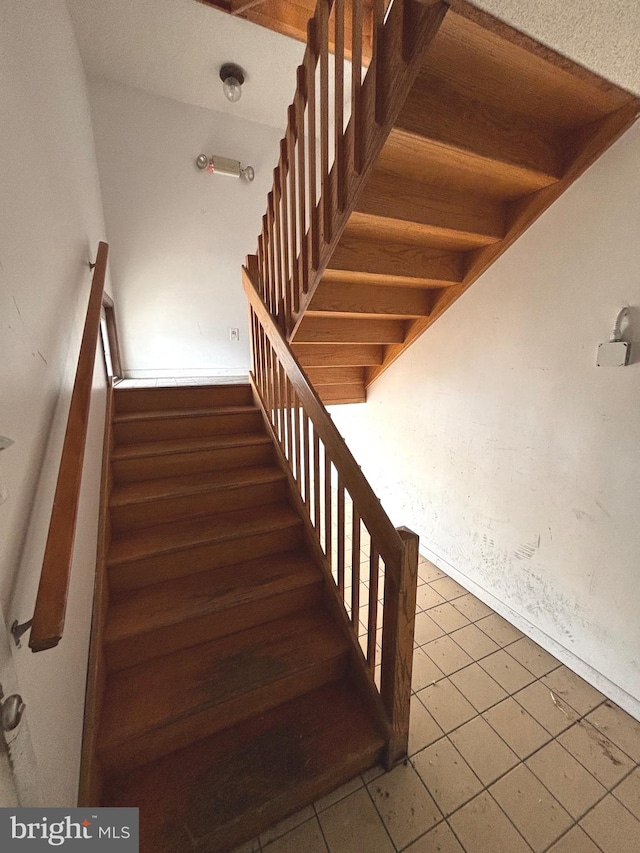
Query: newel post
[(398, 625)]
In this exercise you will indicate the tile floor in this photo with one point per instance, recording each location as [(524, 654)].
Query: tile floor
[(510, 752), (180, 381)]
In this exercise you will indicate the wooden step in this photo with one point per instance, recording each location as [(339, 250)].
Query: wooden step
[(149, 459), (167, 703), (346, 392), (397, 208), (344, 355), (182, 397), (230, 787), (334, 375), (394, 263), (167, 551), (161, 425), (164, 617), (172, 499), (349, 331), (347, 299)]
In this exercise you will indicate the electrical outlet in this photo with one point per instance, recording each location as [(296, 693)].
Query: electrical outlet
[(234, 334)]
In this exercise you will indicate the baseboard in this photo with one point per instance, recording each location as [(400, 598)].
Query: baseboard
[(187, 372), (612, 691)]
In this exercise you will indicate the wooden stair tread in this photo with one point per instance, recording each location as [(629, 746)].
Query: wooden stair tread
[(170, 414), (156, 693), (167, 538), (188, 445), (206, 593), (192, 484), (137, 399), (233, 785)]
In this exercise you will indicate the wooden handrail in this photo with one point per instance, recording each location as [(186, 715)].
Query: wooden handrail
[(372, 514), (311, 448), (51, 602)]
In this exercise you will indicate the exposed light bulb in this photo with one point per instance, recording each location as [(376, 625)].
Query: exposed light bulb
[(248, 174), (232, 89)]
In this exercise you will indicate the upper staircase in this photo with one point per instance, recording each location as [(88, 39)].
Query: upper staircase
[(231, 687), (463, 132)]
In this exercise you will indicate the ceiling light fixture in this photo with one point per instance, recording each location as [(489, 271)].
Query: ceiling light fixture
[(232, 77)]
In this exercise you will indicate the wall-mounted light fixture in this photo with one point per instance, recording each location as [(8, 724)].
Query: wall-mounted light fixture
[(224, 166), (232, 77), (616, 352)]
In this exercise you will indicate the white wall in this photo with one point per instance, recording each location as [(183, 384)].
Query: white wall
[(179, 236), (514, 457), (50, 226)]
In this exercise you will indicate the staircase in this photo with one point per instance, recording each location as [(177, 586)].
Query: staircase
[(463, 132), (229, 695)]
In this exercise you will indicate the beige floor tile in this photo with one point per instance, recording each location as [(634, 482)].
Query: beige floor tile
[(427, 571), (447, 654), (573, 786), (353, 825), (424, 671), (478, 687), (339, 794), (575, 841), (439, 840), (500, 631), (533, 657), (446, 704), (475, 642), (426, 629), (405, 805), (509, 674), (447, 775), (471, 607), (484, 751), (517, 727), (549, 710), (427, 597), (448, 588), (307, 837), (619, 727), (612, 827), (447, 617), (373, 773), (628, 792), (538, 815), (573, 690), (423, 729), (593, 750), (287, 825), (482, 827)]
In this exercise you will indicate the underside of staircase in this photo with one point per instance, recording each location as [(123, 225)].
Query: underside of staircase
[(229, 697), (492, 130)]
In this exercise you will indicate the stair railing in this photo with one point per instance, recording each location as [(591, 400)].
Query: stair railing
[(47, 624), (337, 125), (359, 542)]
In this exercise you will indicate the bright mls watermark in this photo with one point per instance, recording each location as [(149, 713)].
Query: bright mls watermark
[(26, 830)]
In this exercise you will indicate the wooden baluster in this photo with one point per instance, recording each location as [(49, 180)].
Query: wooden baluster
[(274, 402), (356, 85), (325, 197), (280, 396), (311, 60), (400, 586), (316, 483), (355, 569), (293, 245), (273, 288), (288, 289), (260, 282), (299, 103), (340, 533), (327, 505), (290, 456), (307, 475), (277, 235), (340, 166), (374, 569), (296, 421)]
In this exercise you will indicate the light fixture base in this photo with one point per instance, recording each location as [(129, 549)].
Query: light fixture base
[(230, 69)]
